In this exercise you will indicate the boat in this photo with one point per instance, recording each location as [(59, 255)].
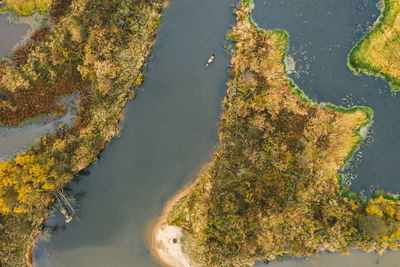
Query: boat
[(210, 60)]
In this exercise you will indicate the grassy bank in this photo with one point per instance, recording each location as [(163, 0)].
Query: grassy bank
[(272, 188), (377, 53), (96, 49)]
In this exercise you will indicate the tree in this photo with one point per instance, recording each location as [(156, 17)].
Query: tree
[(24, 182), (372, 226)]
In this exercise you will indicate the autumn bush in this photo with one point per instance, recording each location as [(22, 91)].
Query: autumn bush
[(372, 226)]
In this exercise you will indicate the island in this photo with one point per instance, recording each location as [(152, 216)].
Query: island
[(93, 49), (378, 52), (273, 189)]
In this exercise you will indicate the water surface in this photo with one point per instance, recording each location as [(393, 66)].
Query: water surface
[(16, 140), (10, 34), (322, 34), (169, 130)]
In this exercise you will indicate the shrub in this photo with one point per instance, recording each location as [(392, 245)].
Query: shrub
[(372, 226)]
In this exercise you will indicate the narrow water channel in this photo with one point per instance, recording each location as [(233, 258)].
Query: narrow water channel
[(15, 140), (170, 129), (10, 34)]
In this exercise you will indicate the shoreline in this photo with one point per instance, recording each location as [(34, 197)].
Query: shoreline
[(366, 68), (160, 221), (163, 250)]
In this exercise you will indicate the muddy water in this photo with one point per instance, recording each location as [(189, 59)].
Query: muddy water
[(170, 129)]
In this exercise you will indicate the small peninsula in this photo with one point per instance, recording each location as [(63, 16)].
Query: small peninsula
[(378, 52), (93, 49), (273, 187)]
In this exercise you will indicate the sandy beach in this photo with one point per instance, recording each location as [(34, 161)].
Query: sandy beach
[(166, 243)]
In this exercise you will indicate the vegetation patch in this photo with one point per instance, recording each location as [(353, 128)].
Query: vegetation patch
[(378, 52), (94, 48), (26, 7), (272, 188)]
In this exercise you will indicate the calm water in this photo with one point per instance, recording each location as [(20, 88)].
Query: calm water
[(322, 34), (10, 34), (170, 129)]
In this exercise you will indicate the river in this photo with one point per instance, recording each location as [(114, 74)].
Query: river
[(170, 129)]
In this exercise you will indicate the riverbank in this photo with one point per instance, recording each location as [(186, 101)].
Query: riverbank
[(166, 241), (377, 53), (272, 189), (100, 52)]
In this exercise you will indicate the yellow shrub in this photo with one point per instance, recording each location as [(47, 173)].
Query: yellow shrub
[(373, 209), (389, 210), (24, 180)]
